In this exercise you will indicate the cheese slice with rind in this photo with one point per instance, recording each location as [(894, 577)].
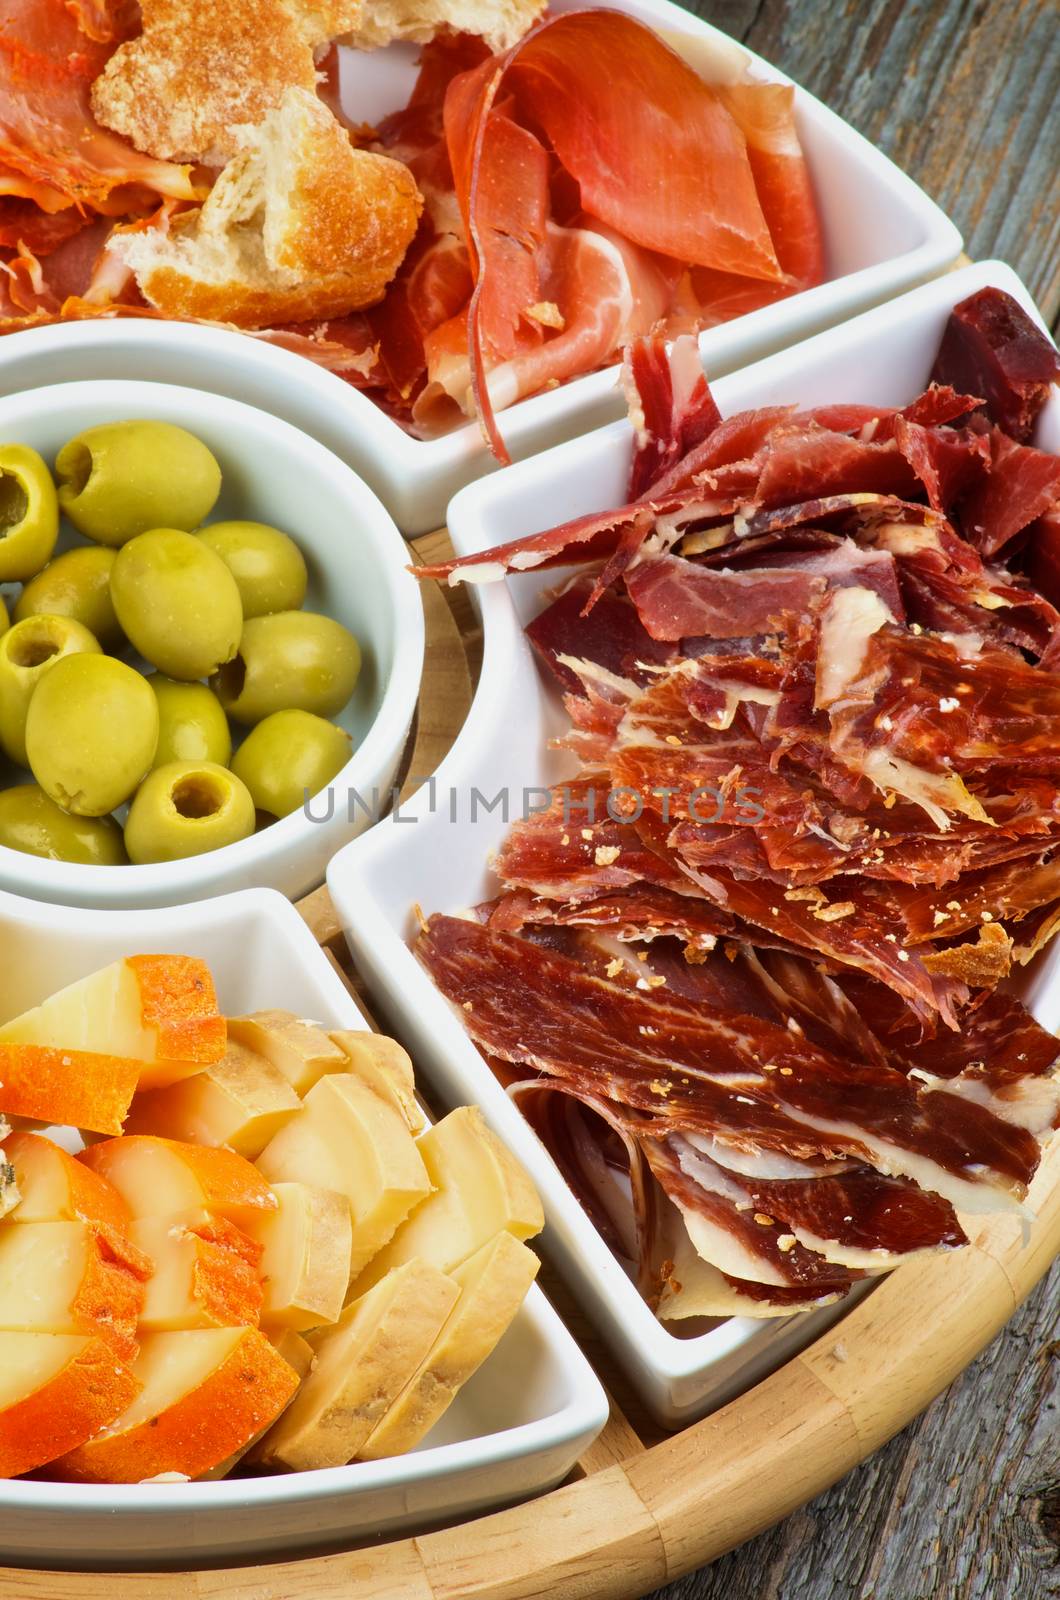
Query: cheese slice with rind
[(241, 1101), (205, 1274), (384, 1066), (56, 1391), (493, 1285), (171, 1177), (480, 1190), (71, 1277), (301, 1052), (55, 1187), (362, 1365), (305, 1260), (348, 1139)]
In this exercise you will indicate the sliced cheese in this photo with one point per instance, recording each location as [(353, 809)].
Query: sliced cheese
[(480, 1190), (493, 1285), (241, 1101), (205, 1274), (301, 1052), (205, 1394), (170, 1178), (362, 1365), (298, 1355), (384, 1066), (348, 1139), (71, 1277), (55, 1187), (305, 1260), (56, 1391)]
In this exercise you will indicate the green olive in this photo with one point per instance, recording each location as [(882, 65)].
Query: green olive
[(288, 756), (5, 620), (177, 602), (186, 808), (121, 478), (31, 822), (91, 733), (191, 724), (268, 566), (76, 584), (29, 512), (29, 651), (293, 660)]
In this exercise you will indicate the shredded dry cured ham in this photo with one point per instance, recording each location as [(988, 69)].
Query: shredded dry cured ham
[(743, 973), (547, 243)]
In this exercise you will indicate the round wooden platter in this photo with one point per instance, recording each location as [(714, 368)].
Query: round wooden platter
[(641, 1509)]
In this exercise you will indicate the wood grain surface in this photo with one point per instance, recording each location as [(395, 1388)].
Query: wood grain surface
[(965, 1503)]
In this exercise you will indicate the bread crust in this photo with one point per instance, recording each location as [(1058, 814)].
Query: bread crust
[(500, 22), (202, 68)]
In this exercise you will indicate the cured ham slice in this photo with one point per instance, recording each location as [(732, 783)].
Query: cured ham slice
[(671, 407), (52, 53), (992, 348)]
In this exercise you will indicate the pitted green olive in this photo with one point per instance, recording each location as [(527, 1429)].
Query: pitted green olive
[(34, 824), (186, 808), (288, 756), (293, 660), (177, 602), (91, 732), (122, 478), (268, 566), (76, 584), (29, 512), (28, 651), (191, 724)]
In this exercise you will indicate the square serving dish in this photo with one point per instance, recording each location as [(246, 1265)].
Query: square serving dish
[(882, 233), (514, 1430), (441, 863)]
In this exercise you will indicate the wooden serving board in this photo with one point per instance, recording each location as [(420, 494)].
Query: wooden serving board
[(642, 1509)]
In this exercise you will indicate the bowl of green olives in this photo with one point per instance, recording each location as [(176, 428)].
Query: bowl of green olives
[(210, 647)]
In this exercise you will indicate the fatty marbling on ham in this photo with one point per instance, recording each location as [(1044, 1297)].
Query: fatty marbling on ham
[(744, 970)]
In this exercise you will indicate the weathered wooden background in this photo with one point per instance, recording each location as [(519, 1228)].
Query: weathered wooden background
[(965, 1504)]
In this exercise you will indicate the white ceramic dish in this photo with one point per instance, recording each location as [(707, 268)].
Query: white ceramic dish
[(272, 473), (440, 863), (882, 233), (515, 1430)]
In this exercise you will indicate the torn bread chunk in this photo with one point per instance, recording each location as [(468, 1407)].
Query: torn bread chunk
[(299, 225), (500, 22), (202, 68)]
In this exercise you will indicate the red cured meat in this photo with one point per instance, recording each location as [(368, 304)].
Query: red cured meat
[(947, 463), (765, 115), (1022, 484), (673, 407), (991, 347), (611, 636)]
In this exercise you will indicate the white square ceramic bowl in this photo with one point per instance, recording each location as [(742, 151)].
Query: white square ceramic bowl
[(438, 859), (515, 1430), (357, 565), (882, 234)]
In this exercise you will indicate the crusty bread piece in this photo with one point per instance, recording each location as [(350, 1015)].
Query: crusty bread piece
[(299, 225), (202, 68), (499, 22)]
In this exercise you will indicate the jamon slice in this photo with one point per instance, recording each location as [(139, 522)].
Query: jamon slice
[(991, 347), (1022, 484), (729, 1233), (638, 914), (721, 1074), (611, 636), (671, 407)]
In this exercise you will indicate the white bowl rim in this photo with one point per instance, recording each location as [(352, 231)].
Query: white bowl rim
[(29, 874)]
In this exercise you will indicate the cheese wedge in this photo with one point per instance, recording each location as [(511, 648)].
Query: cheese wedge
[(205, 1274), (480, 1190), (299, 1355), (348, 1139), (362, 1365), (493, 1285), (159, 1011), (73, 1088), (204, 1395), (240, 1101), (300, 1051), (305, 1260), (55, 1187), (71, 1277), (384, 1066), (56, 1391), (170, 1178)]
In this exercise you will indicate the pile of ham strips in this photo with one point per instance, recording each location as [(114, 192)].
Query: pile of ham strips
[(583, 188), (750, 957)]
